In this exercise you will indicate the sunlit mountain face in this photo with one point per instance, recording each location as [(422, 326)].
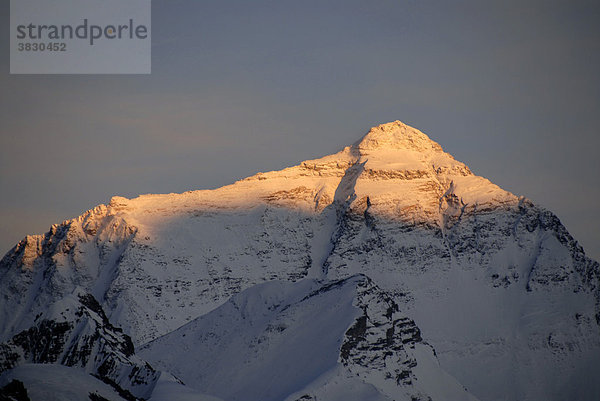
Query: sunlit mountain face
[(386, 271)]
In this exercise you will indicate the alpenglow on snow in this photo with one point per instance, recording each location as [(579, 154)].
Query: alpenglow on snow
[(386, 271)]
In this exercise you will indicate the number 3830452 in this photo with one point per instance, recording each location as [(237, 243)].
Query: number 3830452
[(40, 47)]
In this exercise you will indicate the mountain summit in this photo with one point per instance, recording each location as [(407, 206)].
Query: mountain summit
[(386, 271), (399, 136)]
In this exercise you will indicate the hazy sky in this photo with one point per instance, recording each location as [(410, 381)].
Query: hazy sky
[(511, 88)]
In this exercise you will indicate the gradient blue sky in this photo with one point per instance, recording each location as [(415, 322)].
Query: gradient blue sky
[(511, 88)]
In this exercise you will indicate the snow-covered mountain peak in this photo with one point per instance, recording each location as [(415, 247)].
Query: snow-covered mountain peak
[(230, 280), (396, 135), (403, 174)]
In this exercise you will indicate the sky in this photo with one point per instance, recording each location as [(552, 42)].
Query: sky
[(511, 88)]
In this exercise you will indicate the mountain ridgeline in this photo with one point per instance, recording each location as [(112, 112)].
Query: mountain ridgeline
[(386, 271)]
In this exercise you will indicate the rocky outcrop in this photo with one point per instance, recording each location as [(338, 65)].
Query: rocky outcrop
[(292, 333), (80, 335)]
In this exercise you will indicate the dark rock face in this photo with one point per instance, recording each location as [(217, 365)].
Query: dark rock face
[(87, 340), (306, 397), (354, 336), (379, 338), (14, 391), (9, 357), (96, 397), (45, 342)]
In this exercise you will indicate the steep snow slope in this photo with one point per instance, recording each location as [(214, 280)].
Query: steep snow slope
[(286, 336), (170, 389), (495, 283)]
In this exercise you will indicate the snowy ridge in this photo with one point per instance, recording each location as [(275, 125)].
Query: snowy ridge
[(75, 332), (289, 335), (43, 269), (493, 282)]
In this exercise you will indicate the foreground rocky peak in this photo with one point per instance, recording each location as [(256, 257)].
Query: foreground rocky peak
[(353, 334)]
